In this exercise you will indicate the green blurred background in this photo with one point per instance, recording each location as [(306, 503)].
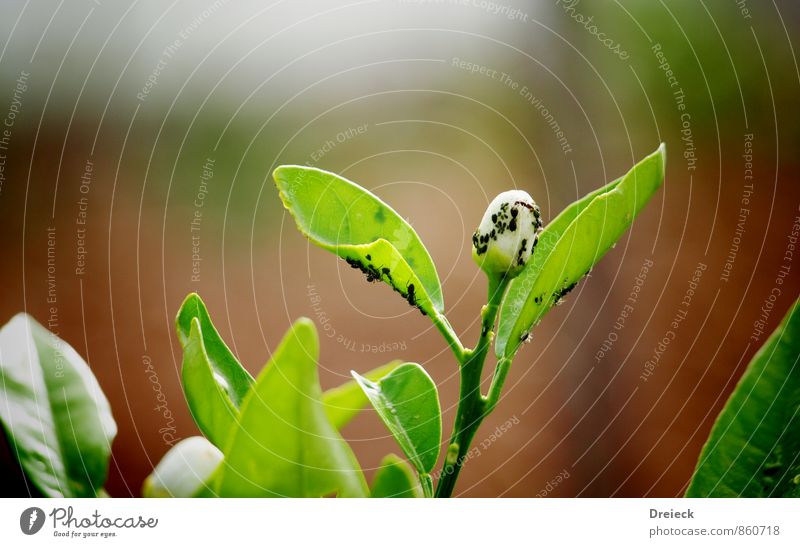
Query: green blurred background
[(135, 117)]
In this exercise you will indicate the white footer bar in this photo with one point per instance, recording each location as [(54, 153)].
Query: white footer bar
[(384, 523)]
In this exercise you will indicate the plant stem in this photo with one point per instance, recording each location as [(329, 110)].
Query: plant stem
[(446, 329), (472, 407), (427, 485), (500, 373)]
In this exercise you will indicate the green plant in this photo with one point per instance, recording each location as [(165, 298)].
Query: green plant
[(273, 435), (278, 434)]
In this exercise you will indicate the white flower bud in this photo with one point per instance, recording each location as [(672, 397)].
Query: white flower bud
[(507, 234), (184, 470)]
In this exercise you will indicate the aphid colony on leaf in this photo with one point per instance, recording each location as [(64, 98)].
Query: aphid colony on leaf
[(373, 273), (508, 233), (562, 292)]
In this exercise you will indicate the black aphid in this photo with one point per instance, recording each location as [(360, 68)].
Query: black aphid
[(522, 247), (479, 244), (411, 296), (561, 293)]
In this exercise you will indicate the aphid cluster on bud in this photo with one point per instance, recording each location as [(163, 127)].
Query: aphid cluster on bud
[(507, 234)]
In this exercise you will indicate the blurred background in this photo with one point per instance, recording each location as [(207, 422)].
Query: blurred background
[(123, 122)]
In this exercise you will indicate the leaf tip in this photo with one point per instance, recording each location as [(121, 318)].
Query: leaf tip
[(662, 151), (22, 319), (305, 323), (360, 380), (366, 385), (195, 329), (191, 299), (391, 459), (186, 313), (21, 316), (193, 341), (278, 173), (282, 174), (305, 330)]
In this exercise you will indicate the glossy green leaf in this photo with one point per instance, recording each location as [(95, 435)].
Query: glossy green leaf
[(185, 471), (57, 419), (520, 287), (571, 245), (285, 445), (214, 382), (395, 479), (408, 403), (754, 447), (344, 402), (348, 220)]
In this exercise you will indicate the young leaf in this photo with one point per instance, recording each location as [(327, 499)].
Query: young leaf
[(344, 402), (395, 479), (408, 403), (214, 381), (520, 287), (348, 220), (754, 447), (57, 419), (185, 470), (571, 245), (284, 445)]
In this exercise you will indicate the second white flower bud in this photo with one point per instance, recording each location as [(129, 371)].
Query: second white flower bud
[(507, 234)]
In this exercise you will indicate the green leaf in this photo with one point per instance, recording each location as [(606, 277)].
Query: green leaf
[(57, 419), (395, 479), (214, 382), (184, 471), (408, 403), (754, 447), (571, 245), (284, 445), (344, 402), (348, 220)]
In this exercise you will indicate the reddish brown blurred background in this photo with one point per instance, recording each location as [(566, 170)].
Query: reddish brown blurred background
[(380, 92)]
